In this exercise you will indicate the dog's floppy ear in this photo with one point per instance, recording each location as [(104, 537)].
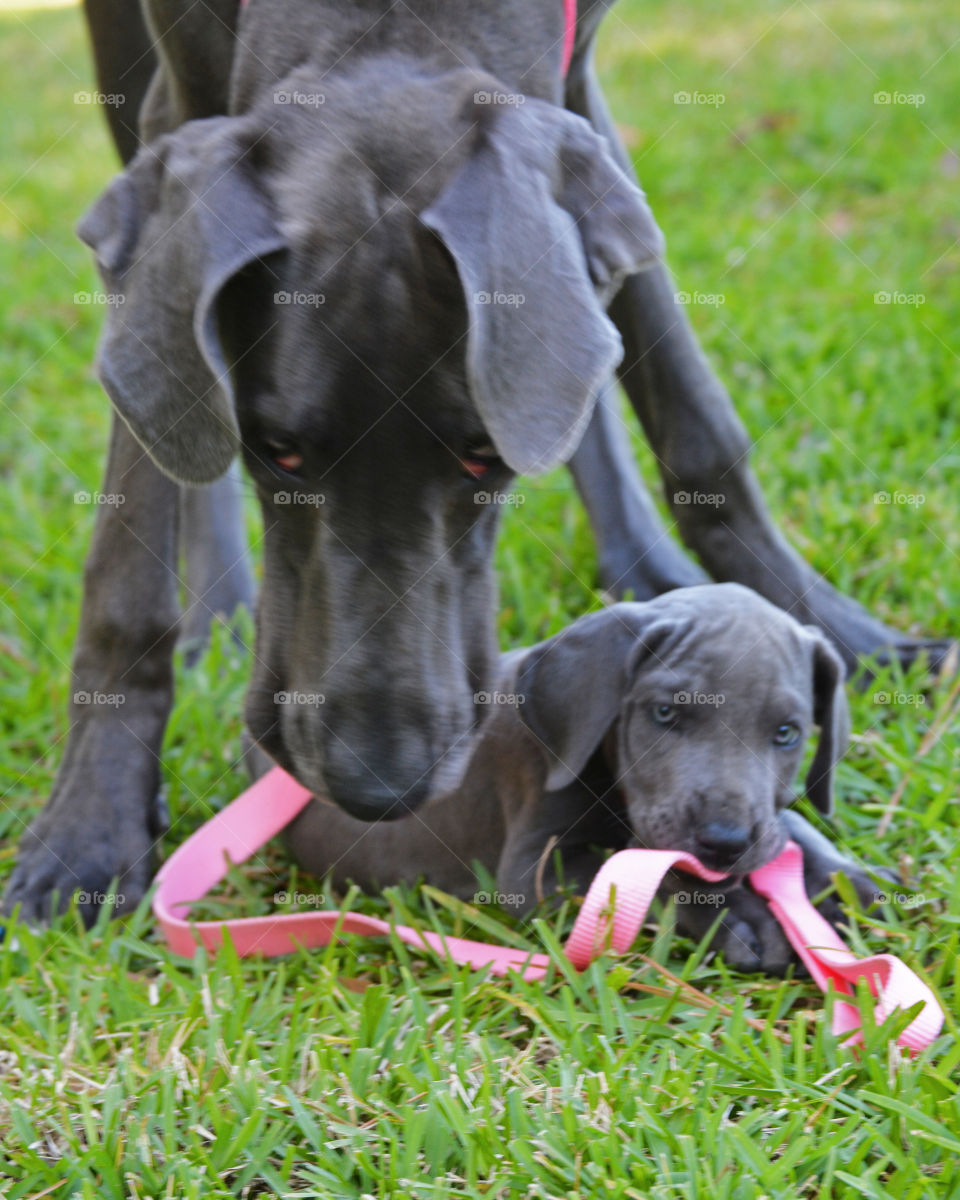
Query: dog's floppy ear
[(543, 226), (184, 217), (831, 713), (574, 684)]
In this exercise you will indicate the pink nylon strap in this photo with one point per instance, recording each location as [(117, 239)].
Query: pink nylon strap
[(237, 832), (612, 914), (829, 961), (569, 31)]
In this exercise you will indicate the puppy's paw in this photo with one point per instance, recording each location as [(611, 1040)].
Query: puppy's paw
[(749, 937), (823, 860), (819, 878)]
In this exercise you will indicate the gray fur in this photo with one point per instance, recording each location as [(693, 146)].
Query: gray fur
[(426, 152)]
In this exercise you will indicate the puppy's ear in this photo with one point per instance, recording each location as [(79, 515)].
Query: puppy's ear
[(574, 684), (543, 226), (831, 713), (169, 233)]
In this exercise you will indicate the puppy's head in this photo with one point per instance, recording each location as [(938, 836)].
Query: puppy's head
[(704, 700)]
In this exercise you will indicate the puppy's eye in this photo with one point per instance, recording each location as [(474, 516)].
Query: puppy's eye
[(479, 460), (787, 735), (664, 714)]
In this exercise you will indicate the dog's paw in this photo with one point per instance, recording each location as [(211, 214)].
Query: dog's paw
[(819, 878), (749, 936), (96, 834), (105, 860), (823, 860)]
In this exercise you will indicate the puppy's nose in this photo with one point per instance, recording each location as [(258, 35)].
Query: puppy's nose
[(724, 843)]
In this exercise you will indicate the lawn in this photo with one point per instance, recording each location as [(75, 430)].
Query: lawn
[(816, 228)]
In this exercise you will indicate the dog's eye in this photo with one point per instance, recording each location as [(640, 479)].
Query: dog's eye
[(285, 458), (478, 460), (787, 735), (664, 714)]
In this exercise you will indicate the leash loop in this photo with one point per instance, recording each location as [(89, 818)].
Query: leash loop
[(611, 916)]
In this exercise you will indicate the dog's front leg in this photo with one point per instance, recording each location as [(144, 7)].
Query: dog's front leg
[(219, 576), (100, 822), (635, 553)]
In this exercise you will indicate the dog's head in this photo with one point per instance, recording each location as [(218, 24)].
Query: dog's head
[(706, 698), (389, 297)]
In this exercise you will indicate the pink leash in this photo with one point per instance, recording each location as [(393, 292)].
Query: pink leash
[(569, 32), (611, 916)]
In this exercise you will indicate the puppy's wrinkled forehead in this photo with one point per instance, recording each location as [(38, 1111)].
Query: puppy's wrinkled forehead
[(728, 637)]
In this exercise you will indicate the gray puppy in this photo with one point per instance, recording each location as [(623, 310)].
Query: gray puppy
[(679, 723)]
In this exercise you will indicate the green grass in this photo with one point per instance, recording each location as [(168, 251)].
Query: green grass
[(366, 1071)]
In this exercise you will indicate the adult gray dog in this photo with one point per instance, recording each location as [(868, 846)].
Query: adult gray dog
[(675, 724), (403, 173)]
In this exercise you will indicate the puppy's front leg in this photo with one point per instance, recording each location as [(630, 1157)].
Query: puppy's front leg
[(575, 822), (822, 860)]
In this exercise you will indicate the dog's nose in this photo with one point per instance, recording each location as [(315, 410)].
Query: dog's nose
[(366, 795), (724, 843)]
